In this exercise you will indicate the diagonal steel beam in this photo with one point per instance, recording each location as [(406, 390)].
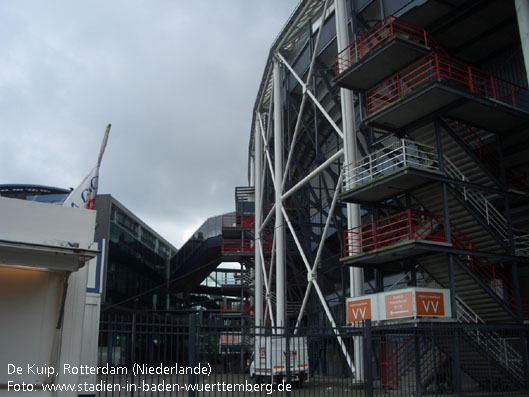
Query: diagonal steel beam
[(320, 293), (267, 151), (311, 95), (312, 275), (303, 101), (315, 172)]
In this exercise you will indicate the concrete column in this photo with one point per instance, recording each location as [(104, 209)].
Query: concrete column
[(257, 169), (279, 220), (356, 275)]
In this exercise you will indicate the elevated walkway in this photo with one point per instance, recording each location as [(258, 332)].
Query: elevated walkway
[(194, 262)]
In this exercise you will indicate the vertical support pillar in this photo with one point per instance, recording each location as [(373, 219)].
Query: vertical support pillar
[(368, 358), (512, 248), (446, 216), (258, 269), (356, 274), (413, 272), (379, 280), (451, 271), (522, 14), (456, 369), (279, 220)]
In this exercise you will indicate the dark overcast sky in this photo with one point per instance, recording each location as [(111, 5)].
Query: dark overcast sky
[(177, 80)]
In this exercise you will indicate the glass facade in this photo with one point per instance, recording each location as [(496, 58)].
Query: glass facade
[(137, 258), (134, 271)]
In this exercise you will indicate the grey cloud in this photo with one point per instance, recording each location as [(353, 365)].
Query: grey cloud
[(176, 79)]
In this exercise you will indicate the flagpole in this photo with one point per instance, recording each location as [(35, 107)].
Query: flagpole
[(103, 144)]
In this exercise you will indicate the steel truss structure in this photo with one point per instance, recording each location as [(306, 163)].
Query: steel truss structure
[(388, 148)]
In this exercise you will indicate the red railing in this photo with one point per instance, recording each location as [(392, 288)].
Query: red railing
[(469, 135), (241, 221), (525, 306), (437, 68), (488, 271), (382, 32), (432, 361), (389, 364), (417, 225), (397, 357), (406, 225), (235, 308), (518, 181), (233, 245)]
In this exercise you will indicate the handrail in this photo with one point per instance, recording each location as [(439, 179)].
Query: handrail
[(403, 153), (489, 212), (525, 306), (428, 364), (440, 68), (243, 245), (395, 155), (380, 33), (502, 350), (487, 270), (235, 307), (515, 180), (417, 225), (497, 345), (471, 138), (492, 216), (238, 278), (389, 363), (406, 225), (239, 221), (488, 155)]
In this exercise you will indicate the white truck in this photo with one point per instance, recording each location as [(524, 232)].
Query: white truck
[(271, 357)]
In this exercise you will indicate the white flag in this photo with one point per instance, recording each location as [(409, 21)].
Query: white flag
[(84, 195)]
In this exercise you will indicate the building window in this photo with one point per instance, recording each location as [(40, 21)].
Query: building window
[(124, 220), (148, 238)]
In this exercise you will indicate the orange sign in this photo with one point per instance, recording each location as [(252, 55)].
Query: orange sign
[(399, 305), (359, 310), (229, 339), (430, 303)]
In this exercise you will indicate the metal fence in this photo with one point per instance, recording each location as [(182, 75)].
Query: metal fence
[(165, 355)]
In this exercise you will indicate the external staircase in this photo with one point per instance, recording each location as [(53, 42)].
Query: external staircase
[(464, 208)]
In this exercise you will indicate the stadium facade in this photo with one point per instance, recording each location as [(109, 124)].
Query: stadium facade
[(388, 150)]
